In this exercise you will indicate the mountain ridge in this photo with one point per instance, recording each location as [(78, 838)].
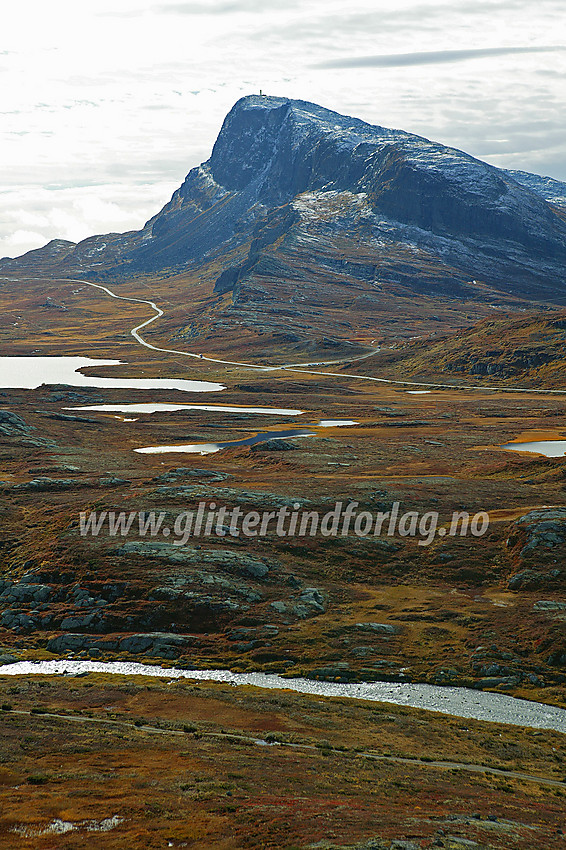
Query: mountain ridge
[(295, 196)]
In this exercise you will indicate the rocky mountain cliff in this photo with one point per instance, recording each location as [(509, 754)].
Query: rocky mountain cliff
[(526, 348), (308, 195)]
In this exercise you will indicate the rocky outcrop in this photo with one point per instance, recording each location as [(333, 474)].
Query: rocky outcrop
[(178, 589), (54, 485), (12, 425), (537, 548), (48, 485), (550, 606), (230, 496), (157, 645), (533, 579), (218, 558), (67, 417), (274, 446), (20, 592), (14, 428), (181, 473), (378, 628), (30, 603), (309, 603)]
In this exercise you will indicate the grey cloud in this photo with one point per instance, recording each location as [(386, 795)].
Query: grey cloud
[(554, 73), (434, 57), (412, 17)]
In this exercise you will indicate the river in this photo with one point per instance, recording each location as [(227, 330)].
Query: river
[(460, 702)]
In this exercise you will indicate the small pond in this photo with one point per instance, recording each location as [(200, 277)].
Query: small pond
[(549, 448)]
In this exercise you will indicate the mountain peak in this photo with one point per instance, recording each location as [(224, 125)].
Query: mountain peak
[(285, 146), (272, 105), (294, 170)]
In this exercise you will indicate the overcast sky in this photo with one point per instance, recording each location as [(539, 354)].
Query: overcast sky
[(107, 104)]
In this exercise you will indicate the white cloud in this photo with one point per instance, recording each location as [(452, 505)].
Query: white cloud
[(23, 237), (31, 216), (104, 111)]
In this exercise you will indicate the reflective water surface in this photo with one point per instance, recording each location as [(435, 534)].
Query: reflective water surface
[(166, 408), (210, 448), (461, 702), (28, 373), (549, 448)]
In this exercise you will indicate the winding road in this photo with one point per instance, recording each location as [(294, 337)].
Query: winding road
[(301, 368), (159, 312)]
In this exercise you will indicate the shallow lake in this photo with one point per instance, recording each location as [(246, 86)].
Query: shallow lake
[(210, 448), (461, 702), (549, 448), (29, 373), (166, 408)]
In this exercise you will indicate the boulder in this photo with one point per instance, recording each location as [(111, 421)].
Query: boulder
[(311, 602), (550, 606), (378, 628)]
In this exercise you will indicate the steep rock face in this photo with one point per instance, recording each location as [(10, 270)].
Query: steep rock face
[(377, 205), (470, 219), (279, 150)]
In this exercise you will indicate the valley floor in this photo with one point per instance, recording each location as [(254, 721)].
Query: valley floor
[(135, 762), (485, 612)]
